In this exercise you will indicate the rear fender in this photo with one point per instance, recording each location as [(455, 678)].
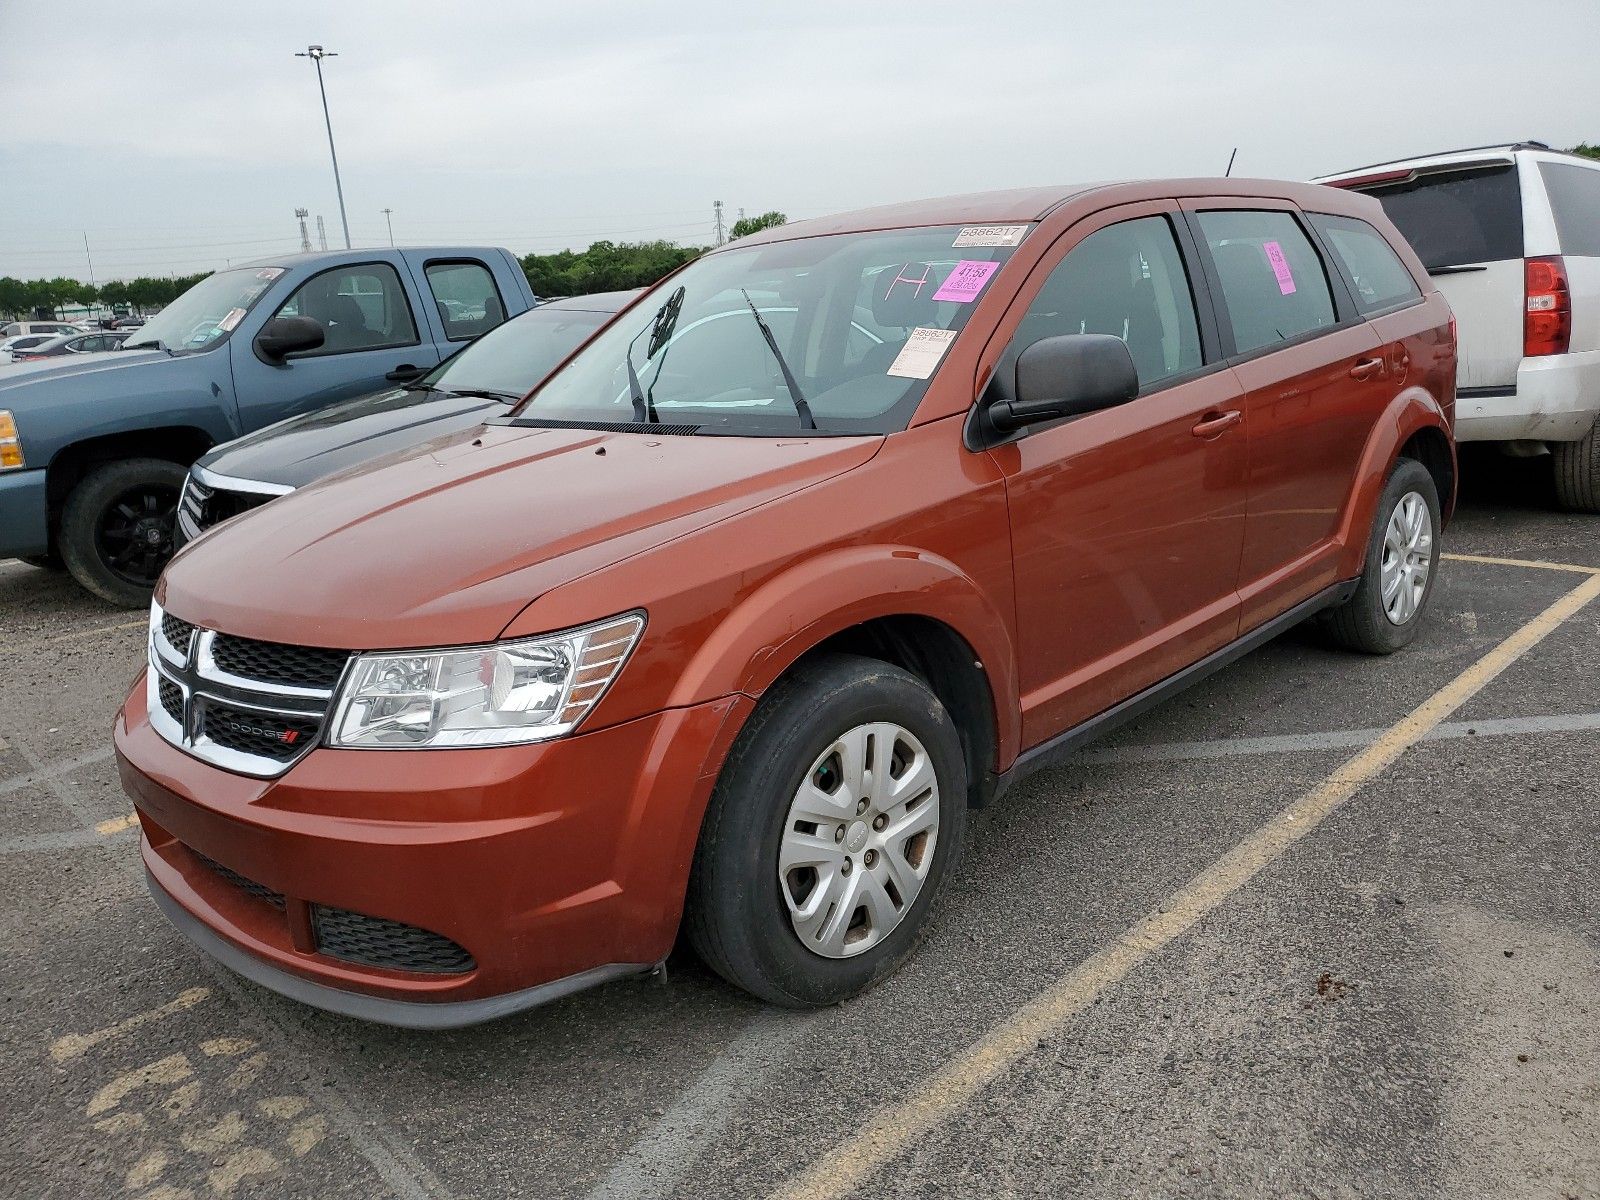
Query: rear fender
[(1412, 410)]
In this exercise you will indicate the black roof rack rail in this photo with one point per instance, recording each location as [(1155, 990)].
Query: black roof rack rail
[(1526, 144)]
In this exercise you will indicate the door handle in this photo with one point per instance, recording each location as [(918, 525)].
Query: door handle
[(1367, 368), (405, 372), (1215, 424)]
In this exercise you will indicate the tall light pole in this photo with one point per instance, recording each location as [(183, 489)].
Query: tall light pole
[(390, 223), (316, 54)]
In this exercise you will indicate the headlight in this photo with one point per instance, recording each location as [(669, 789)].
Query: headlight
[(10, 442), (496, 695)]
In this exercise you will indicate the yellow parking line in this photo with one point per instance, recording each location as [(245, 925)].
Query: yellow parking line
[(76, 634), (893, 1129), (1522, 562), (116, 825)]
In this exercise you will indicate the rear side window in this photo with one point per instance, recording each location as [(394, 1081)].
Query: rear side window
[(1273, 284), (467, 300), (1456, 217), (1127, 280), (1575, 200), (1376, 275)]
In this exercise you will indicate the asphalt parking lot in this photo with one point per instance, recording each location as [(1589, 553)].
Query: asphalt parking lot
[(1324, 926)]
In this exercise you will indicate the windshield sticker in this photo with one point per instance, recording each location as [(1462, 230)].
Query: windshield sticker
[(967, 279), (989, 235), (920, 356), (900, 276), (235, 315), (269, 273), (1280, 267)]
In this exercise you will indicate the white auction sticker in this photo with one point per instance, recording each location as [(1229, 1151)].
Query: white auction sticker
[(990, 235), (235, 315), (920, 356)]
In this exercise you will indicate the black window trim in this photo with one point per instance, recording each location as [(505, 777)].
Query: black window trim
[(444, 327), (350, 266), (978, 434), (1329, 256), (1346, 315)]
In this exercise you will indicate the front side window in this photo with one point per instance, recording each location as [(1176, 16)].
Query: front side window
[(1574, 193), (1127, 280), (1273, 284), (1454, 218), (1374, 271), (361, 307), (465, 295), (862, 320)]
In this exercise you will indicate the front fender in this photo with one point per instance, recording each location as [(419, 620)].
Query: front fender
[(1411, 411), (764, 634)]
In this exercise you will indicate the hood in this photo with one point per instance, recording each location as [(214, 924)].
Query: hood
[(447, 544), (19, 377), (307, 447)]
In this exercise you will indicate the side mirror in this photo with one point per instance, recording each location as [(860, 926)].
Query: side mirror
[(283, 336), (1067, 376)]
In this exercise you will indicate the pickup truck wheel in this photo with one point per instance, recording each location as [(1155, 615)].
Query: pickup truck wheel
[(116, 528), (1402, 563), (836, 820), (1577, 466)]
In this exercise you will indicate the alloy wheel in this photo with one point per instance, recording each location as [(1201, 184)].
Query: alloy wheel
[(1407, 558)]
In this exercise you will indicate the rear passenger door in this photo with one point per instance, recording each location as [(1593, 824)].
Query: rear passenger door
[(1126, 524), (1314, 382)]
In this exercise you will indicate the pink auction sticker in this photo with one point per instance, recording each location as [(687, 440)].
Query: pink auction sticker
[(966, 280), (1280, 267)]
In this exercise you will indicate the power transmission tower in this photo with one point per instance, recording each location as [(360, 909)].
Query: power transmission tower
[(716, 211), (322, 233), (305, 238), (390, 222)]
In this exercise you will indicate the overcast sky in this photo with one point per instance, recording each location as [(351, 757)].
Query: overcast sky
[(181, 135)]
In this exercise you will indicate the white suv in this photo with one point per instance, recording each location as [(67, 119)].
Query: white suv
[(29, 328), (1512, 235)]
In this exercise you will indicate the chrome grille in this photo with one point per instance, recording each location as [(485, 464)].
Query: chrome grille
[(209, 499), (247, 706)]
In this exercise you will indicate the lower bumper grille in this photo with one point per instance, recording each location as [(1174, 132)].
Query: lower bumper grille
[(258, 890)]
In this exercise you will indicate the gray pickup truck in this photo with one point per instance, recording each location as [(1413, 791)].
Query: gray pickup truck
[(94, 451)]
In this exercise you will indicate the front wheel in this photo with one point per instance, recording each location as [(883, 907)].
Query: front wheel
[(1401, 565), (836, 820), (1577, 468), (116, 528)]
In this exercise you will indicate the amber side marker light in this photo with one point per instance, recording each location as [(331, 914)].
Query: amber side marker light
[(1547, 323), (10, 442)]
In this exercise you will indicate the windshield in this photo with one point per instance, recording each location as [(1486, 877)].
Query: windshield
[(207, 312), (511, 358), (861, 321)]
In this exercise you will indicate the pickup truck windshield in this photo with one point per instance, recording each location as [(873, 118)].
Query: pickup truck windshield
[(205, 313), (861, 319)]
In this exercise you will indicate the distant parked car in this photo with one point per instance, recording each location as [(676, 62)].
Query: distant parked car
[(74, 343), (28, 328), (12, 346), (126, 322), (96, 447), (484, 379), (1512, 234)]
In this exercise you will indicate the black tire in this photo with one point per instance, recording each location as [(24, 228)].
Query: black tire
[(45, 562), (1577, 470), (116, 528), (1362, 623), (736, 916)]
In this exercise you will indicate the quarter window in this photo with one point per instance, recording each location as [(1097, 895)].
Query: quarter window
[(1376, 275), (1574, 193), (360, 307), (466, 297), (1127, 280), (1273, 284)]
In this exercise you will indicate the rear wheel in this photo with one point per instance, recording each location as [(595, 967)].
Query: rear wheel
[(116, 528), (1577, 466), (835, 822), (1402, 562)]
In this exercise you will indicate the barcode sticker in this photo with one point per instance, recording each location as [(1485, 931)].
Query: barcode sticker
[(920, 356), (989, 235)]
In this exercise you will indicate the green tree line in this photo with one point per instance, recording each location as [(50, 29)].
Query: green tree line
[(603, 267)]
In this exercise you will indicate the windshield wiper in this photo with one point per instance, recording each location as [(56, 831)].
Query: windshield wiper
[(152, 344), (800, 405), (661, 326), (481, 393)]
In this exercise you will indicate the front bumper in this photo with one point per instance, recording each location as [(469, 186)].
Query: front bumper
[(24, 528), (1556, 399), (554, 866)]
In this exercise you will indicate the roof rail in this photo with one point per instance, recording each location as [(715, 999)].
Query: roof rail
[(1527, 144)]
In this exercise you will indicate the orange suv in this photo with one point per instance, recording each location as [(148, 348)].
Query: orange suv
[(831, 535)]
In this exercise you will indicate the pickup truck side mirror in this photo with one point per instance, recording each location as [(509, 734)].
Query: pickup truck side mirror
[(1067, 376), (283, 336)]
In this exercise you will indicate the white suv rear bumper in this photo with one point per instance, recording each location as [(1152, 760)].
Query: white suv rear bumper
[(1556, 400)]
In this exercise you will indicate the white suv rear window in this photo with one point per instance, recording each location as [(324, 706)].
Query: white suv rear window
[(1457, 217)]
